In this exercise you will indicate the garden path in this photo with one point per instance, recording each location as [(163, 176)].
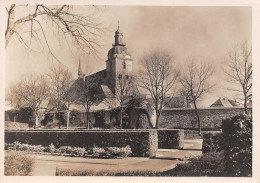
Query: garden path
[(166, 159)]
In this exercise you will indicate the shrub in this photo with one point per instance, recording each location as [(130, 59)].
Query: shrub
[(78, 152), (119, 152), (210, 164), (237, 134), (18, 164), (65, 150), (69, 172), (212, 143), (98, 152), (50, 148)]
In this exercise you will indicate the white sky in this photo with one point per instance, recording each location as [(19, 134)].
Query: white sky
[(207, 32)]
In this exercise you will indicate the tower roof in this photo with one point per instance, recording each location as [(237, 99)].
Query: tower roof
[(79, 70)]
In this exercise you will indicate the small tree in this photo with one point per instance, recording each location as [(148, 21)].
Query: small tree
[(60, 82), (239, 71), (124, 93), (158, 77), (195, 81), (86, 89), (30, 92)]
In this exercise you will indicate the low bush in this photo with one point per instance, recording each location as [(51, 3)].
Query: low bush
[(69, 172), (210, 164), (108, 152), (18, 164)]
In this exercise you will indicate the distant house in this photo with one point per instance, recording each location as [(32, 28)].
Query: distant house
[(224, 102)]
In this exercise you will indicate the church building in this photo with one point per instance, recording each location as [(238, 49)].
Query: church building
[(118, 68)]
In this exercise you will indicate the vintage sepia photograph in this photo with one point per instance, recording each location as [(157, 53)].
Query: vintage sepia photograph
[(130, 91)]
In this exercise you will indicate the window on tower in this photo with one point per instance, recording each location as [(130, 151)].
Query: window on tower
[(120, 76), (124, 65)]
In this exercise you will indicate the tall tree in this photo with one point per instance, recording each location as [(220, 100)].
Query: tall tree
[(196, 82), (239, 71), (30, 92), (60, 82), (83, 30), (158, 77)]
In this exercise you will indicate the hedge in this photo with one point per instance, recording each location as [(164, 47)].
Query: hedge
[(171, 139), (142, 143)]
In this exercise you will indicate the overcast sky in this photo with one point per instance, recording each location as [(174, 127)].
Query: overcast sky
[(206, 32)]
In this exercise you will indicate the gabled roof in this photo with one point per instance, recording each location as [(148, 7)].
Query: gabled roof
[(224, 102)]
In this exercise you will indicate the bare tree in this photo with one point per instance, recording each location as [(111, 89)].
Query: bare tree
[(195, 81), (30, 92), (239, 71), (86, 89), (158, 77), (60, 82), (124, 93), (83, 30)]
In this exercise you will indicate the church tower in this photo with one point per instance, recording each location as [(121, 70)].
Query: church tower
[(119, 63)]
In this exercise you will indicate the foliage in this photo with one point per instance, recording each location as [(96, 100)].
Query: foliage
[(236, 141), (237, 134), (111, 152), (212, 143), (70, 172), (107, 152), (210, 164), (18, 164)]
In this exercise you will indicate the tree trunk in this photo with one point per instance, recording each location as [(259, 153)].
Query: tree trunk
[(198, 117), (68, 119), (87, 113), (245, 104), (157, 120), (121, 118)]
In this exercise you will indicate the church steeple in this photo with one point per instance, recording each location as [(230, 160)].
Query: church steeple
[(118, 37), (80, 74)]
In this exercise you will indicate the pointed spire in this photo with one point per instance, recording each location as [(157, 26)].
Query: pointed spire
[(118, 26), (79, 70)]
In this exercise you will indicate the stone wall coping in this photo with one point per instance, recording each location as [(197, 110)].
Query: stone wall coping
[(204, 108), (108, 130)]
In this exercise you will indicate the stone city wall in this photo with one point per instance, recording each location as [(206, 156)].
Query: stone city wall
[(211, 118)]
